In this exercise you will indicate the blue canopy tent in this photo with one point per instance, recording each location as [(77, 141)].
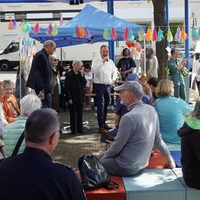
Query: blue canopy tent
[(96, 21)]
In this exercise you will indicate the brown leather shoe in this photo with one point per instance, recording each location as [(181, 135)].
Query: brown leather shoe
[(107, 127), (102, 130)]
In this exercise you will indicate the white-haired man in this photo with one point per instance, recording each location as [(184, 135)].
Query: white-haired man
[(138, 132), (40, 77)]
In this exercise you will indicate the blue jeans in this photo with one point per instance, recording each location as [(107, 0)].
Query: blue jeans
[(102, 101)]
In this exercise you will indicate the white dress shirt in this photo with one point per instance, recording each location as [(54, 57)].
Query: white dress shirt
[(104, 73)]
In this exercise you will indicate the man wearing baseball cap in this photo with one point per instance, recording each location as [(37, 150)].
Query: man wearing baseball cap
[(138, 132)]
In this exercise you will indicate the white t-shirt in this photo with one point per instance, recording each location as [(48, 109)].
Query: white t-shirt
[(88, 77)]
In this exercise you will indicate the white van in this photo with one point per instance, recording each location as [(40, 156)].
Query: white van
[(9, 57)]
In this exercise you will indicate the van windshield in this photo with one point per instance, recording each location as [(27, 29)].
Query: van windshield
[(12, 47)]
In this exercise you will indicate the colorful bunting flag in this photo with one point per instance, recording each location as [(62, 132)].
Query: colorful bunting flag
[(74, 33), (82, 34), (199, 33), (149, 35), (183, 34), (140, 35), (77, 32), (49, 29), (10, 25), (23, 26), (126, 34), (178, 34), (87, 33), (27, 28), (14, 25), (105, 33), (55, 30), (169, 35), (143, 34), (155, 35), (108, 34), (194, 34), (113, 34), (131, 36), (36, 29), (160, 34)]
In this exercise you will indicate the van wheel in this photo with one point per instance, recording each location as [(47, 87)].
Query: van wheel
[(5, 66)]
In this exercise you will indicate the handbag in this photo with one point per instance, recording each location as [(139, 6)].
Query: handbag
[(93, 174)]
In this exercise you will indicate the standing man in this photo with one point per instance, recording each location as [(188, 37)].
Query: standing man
[(33, 174), (40, 77), (105, 74), (176, 69), (137, 133), (126, 64)]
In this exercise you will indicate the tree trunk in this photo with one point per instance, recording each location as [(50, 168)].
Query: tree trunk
[(159, 21)]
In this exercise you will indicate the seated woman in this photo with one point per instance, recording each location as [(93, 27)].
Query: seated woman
[(2, 116), (13, 131), (190, 148), (171, 111), (9, 102)]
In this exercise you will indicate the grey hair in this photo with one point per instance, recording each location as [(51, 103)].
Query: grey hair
[(8, 83), (29, 103), (48, 43), (76, 62), (52, 56), (196, 112)]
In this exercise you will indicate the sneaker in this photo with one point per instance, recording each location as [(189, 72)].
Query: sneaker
[(107, 127)]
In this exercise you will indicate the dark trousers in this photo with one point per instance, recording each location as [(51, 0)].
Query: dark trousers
[(76, 113), (179, 91), (102, 101)]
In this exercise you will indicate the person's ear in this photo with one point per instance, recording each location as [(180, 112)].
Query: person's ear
[(52, 140)]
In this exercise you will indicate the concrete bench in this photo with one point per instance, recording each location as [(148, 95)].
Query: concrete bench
[(191, 194), (154, 184)]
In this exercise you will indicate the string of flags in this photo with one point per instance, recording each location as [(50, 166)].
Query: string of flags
[(111, 34)]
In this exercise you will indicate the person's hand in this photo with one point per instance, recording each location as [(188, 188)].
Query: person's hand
[(109, 142), (90, 90), (105, 59), (70, 102), (171, 164), (41, 95), (112, 83)]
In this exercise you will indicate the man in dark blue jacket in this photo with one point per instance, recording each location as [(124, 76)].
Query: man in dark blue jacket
[(33, 175), (40, 77)]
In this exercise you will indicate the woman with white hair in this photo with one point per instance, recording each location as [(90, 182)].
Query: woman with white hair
[(74, 90), (13, 131)]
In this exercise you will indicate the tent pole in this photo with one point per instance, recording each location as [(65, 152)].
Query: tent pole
[(110, 9), (145, 56), (187, 32)]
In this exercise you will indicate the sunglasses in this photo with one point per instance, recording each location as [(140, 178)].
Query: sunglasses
[(58, 131), (55, 60)]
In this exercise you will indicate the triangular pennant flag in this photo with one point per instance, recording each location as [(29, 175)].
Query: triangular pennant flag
[(140, 35), (199, 33), (143, 34), (178, 34), (55, 30), (149, 35), (169, 35), (27, 28), (183, 34), (87, 33), (49, 29), (14, 25), (194, 34), (113, 34), (126, 34), (36, 29), (10, 25), (131, 36), (74, 34), (77, 32), (105, 33), (155, 35), (82, 34), (23, 26), (108, 34), (160, 35)]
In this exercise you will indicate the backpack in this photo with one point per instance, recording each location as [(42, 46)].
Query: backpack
[(93, 174)]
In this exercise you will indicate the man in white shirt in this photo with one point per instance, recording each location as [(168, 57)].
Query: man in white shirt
[(105, 74)]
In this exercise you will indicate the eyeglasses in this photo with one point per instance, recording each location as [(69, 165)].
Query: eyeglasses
[(55, 60), (58, 131)]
